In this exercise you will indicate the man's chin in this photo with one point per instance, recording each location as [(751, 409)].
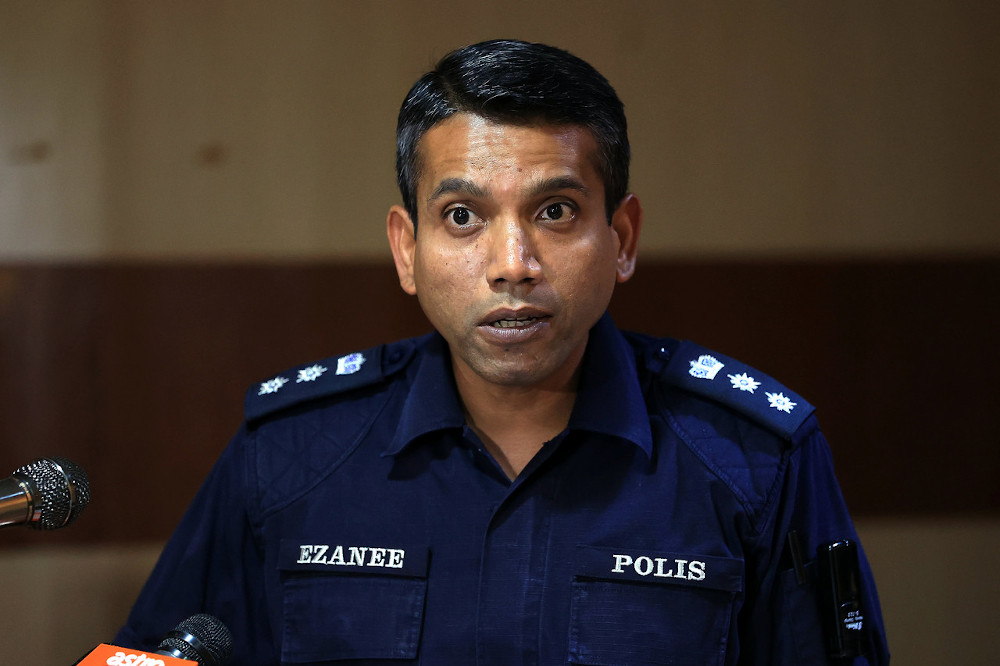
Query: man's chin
[(516, 373)]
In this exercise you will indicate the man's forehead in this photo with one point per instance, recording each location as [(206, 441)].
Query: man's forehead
[(464, 142), (463, 123)]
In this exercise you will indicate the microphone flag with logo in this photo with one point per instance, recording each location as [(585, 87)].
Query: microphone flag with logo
[(112, 655)]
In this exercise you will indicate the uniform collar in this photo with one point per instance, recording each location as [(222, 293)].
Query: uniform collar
[(609, 401), (432, 399)]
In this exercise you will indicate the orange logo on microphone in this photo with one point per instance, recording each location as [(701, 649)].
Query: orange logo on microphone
[(112, 655)]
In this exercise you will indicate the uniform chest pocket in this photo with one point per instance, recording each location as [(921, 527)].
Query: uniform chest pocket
[(632, 607), (351, 603)]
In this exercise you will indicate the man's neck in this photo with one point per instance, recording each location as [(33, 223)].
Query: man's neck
[(514, 422)]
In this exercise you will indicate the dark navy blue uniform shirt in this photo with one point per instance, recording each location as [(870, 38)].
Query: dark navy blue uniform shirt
[(357, 519)]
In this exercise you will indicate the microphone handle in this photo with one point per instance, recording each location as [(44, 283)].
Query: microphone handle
[(15, 501)]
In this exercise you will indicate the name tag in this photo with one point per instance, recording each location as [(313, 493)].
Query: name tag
[(343, 557), (719, 573)]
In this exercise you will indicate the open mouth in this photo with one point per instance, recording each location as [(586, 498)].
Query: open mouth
[(519, 322)]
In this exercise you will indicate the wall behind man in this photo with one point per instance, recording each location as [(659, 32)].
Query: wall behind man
[(245, 129), (157, 156)]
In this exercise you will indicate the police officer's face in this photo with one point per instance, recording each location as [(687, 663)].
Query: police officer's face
[(513, 260)]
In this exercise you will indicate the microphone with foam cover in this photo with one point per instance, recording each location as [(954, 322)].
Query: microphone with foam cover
[(45, 494)]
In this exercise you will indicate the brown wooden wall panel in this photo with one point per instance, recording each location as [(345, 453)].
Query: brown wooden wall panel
[(137, 371)]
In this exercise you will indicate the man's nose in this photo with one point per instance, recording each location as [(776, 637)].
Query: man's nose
[(513, 253)]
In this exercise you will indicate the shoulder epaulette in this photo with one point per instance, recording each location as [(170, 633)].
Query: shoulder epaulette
[(737, 386), (331, 376)]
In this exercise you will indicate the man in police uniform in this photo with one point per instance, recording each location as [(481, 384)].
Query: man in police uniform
[(528, 484)]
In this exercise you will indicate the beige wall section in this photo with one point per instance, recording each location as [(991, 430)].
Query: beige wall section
[(68, 599), (937, 582), (53, 152), (217, 128)]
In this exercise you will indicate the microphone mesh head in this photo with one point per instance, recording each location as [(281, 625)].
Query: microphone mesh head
[(61, 491), (215, 638)]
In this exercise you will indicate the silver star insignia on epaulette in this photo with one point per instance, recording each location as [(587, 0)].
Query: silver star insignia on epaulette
[(272, 385), (744, 382), (310, 374), (780, 402)]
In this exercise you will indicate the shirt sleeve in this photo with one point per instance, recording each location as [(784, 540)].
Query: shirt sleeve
[(782, 623), (213, 563)]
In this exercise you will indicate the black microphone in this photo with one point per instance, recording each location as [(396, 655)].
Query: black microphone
[(45, 494), (202, 638)]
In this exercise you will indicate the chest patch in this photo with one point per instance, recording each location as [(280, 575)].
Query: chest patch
[(341, 557)]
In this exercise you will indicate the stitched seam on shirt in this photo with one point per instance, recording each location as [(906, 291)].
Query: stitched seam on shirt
[(255, 510), (348, 450), (707, 461), (557, 487), (767, 512)]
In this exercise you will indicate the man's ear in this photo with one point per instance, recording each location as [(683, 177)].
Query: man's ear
[(626, 222), (402, 239)]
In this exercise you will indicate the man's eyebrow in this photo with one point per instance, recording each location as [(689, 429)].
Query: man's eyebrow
[(457, 186), (469, 188), (558, 183)]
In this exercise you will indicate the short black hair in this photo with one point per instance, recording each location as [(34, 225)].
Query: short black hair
[(520, 83)]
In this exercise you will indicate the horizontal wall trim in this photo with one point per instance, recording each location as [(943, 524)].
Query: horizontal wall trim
[(137, 370)]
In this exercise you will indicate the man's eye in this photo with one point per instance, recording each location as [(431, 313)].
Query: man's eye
[(460, 216), (554, 211)]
